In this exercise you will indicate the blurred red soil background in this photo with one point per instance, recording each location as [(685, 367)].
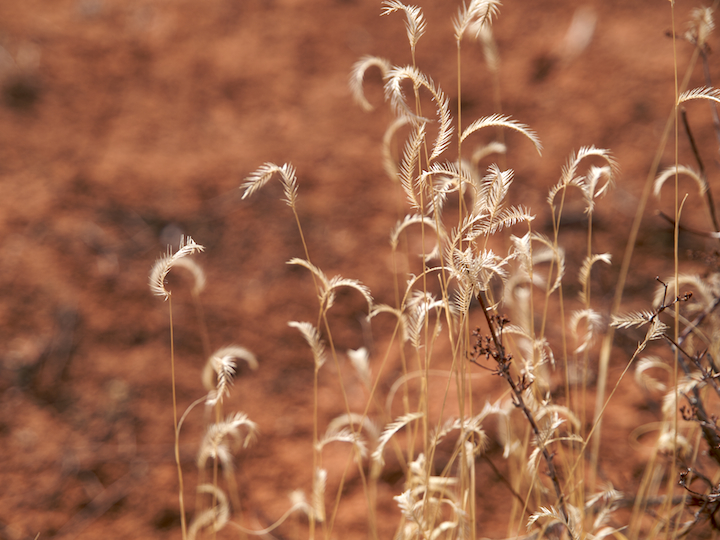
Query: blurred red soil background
[(126, 124)]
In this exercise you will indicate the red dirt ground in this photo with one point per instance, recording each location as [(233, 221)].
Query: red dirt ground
[(125, 124)]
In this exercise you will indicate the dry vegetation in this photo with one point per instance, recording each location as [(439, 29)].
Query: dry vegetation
[(522, 342), (481, 295)]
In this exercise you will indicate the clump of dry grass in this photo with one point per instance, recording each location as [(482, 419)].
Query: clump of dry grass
[(481, 305)]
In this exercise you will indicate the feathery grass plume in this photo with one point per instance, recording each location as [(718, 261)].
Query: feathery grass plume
[(265, 173), (162, 266), (671, 443), (670, 172), (483, 32), (445, 178), (470, 428), (481, 152), (462, 177), (476, 269), (391, 429), (328, 286), (343, 435), (557, 521), (411, 156), (318, 494), (312, 336), (353, 420), (647, 381), (357, 76), (215, 518), (415, 505), (591, 323), (635, 319), (394, 94), (700, 26), (656, 328), (409, 220), (534, 351), (494, 187), (422, 505), (530, 257), (587, 184), (415, 23), (602, 504), (215, 444), (488, 207), (477, 14), (584, 275), (704, 92), (219, 371), (590, 182), (418, 308), (197, 272), (503, 410), (499, 120), (401, 317), (462, 297), (360, 360)]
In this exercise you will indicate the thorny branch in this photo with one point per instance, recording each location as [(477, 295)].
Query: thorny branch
[(492, 347), (710, 430), (708, 503)]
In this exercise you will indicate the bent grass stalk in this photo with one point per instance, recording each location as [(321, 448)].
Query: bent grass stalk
[(158, 274)]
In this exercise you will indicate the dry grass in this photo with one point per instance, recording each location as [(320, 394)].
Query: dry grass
[(489, 299)]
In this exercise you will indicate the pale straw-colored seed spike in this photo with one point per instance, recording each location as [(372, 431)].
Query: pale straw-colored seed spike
[(197, 272), (647, 381), (569, 176), (394, 93), (415, 23), (419, 308), (319, 274), (338, 281), (584, 275), (357, 76), (265, 173), (552, 252), (590, 183), (671, 443), (701, 26), (214, 518), (360, 360), (387, 434), (355, 420), (318, 494), (214, 443), (416, 219), (483, 32), (219, 370), (670, 172), (408, 165), (345, 435), (312, 337), (634, 319), (585, 325), (481, 152), (499, 120), (164, 264), (477, 12)]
